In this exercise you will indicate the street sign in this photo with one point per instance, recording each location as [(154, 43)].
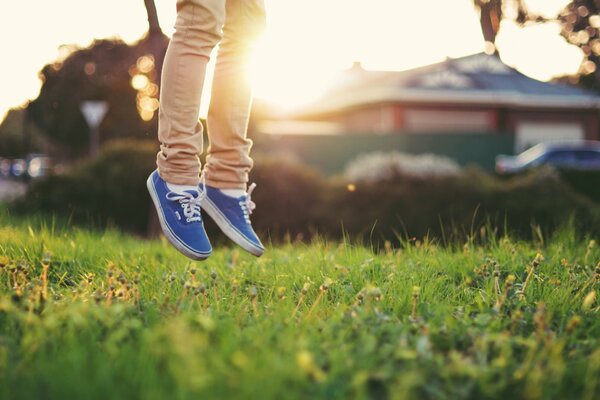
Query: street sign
[(94, 112)]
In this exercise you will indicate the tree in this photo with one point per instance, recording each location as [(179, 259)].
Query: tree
[(99, 72), (490, 15), (492, 12), (153, 24), (125, 76), (18, 137), (580, 22), (580, 26), (156, 38)]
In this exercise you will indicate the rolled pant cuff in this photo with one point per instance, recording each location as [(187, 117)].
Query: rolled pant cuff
[(178, 178), (225, 185)]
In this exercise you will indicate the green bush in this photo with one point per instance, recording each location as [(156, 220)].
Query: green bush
[(17, 136), (465, 205), (296, 201), (110, 189), (584, 182), (287, 197)]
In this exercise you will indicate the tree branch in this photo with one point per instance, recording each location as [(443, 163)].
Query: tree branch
[(153, 24)]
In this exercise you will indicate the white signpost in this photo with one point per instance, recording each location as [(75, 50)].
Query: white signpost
[(94, 112)]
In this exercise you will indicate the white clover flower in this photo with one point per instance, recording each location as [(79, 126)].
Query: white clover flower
[(381, 166)]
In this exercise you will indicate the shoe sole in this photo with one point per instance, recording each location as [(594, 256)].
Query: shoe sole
[(229, 230), (183, 249)]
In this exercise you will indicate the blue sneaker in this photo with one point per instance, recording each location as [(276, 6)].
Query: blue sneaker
[(232, 215), (180, 218)]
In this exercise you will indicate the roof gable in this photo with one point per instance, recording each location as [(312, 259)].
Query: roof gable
[(481, 63), (486, 73), (474, 79)]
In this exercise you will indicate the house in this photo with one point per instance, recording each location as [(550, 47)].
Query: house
[(470, 109)]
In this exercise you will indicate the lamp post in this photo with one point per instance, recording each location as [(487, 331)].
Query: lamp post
[(94, 112)]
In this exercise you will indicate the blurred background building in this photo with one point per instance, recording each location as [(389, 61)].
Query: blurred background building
[(469, 109)]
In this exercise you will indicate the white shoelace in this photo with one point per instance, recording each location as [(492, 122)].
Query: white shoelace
[(248, 205), (189, 203)]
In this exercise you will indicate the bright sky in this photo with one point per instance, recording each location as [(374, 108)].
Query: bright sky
[(306, 44)]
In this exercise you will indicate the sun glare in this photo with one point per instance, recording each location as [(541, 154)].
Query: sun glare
[(306, 45)]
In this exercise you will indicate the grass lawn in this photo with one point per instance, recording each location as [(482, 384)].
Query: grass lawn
[(103, 315)]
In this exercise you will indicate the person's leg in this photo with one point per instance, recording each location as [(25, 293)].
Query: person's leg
[(173, 186), (198, 29), (228, 161)]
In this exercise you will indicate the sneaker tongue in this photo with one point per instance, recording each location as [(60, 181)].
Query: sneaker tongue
[(181, 188), (194, 193)]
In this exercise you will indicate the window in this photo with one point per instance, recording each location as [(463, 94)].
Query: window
[(588, 156), (531, 133), (588, 159), (455, 121)]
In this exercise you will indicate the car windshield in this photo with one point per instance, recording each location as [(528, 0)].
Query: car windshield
[(531, 154)]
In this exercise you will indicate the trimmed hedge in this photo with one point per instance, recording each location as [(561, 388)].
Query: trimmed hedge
[(109, 190), (296, 202), (461, 206), (585, 182)]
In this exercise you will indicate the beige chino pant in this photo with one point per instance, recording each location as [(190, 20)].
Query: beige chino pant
[(200, 26)]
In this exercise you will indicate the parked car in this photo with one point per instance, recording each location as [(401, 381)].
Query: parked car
[(38, 165), (34, 165), (5, 164), (579, 155), (18, 168)]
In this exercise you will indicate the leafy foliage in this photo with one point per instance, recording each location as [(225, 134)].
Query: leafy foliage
[(109, 190), (491, 14), (100, 72), (580, 26), (18, 137), (580, 22), (293, 200)]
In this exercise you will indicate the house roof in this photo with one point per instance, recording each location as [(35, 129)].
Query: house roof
[(474, 79)]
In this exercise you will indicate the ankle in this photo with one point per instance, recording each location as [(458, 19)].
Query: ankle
[(180, 188), (233, 192)]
